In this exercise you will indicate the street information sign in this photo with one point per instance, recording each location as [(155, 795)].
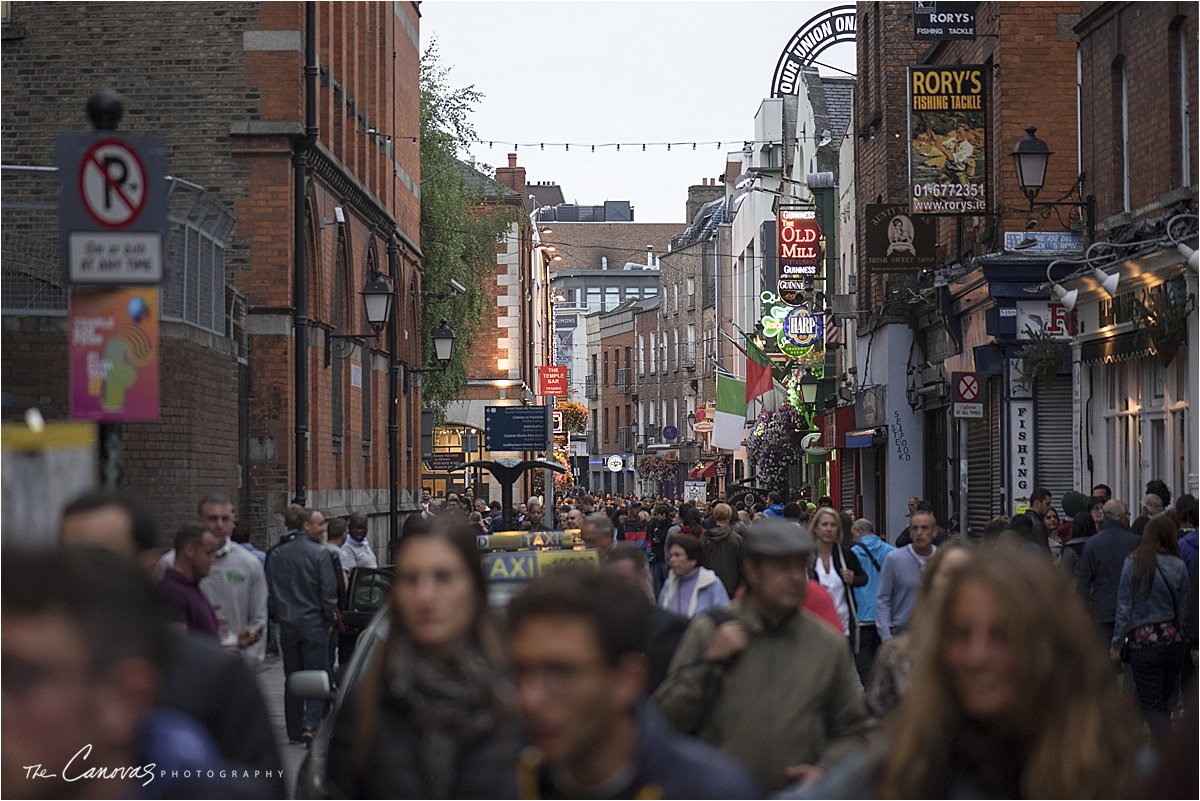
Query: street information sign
[(112, 208), (515, 428)]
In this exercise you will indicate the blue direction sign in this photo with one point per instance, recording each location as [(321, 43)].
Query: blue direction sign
[(515, 428)]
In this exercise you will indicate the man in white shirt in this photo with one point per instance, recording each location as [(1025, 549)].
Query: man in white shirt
[(236, 585), (357, 550)]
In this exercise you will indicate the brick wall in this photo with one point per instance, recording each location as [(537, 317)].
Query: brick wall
[(1147, 39)]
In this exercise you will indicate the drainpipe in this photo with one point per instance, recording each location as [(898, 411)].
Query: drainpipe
[(393, 427), (300, 263)]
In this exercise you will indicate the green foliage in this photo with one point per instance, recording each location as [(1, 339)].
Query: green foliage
[(459, 233), (1041, 358)]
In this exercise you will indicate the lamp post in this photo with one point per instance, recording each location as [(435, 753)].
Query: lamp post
[(808, 387), (443, 347), (1031, 156), (378, 300)]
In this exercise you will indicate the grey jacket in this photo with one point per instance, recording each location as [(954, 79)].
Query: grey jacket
[(303, 587)]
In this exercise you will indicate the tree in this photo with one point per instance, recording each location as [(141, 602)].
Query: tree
[(459, 232)]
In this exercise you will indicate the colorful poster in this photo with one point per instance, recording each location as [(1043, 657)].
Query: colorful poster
[(114, 354), (948, 142)]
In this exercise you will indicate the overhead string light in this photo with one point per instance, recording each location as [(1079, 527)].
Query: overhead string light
[(667, 146)]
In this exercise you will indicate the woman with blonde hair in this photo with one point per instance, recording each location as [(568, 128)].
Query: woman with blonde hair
[(990, 713), (837, 569)]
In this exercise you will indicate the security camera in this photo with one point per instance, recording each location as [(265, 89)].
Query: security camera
[(459, 288), (339, 214)]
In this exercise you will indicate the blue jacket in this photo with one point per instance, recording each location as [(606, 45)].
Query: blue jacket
[(1189, 544), (1167, 601), (1099, 571), (865, 549), (303, 590), (668, 765), (774, 510)]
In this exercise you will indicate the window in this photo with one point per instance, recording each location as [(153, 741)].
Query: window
[(605, 376), (628, 357), (676, 287), (612, 297), (653, 351), (1181, 101), (691, 287), (675, 346), (641, 354), (594, 301)]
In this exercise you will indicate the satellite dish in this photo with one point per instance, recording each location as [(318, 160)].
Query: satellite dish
[(809, 443)]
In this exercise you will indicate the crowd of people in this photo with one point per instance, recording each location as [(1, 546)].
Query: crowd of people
[(720, 651)]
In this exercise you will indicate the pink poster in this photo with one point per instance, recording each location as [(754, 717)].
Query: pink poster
[(114, 354)]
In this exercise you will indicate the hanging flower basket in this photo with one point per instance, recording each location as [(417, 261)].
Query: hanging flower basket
[(1041, 359), (575, 416), (1162, 313), (658, 469), (774, 445)]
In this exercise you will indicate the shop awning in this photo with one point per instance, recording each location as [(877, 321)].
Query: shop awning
[(860, 439), (704, 471), (1129, 345)]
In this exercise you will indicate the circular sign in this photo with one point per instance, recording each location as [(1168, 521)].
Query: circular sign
[(112, 183), (802, 330), (968, 388), (701, 413), (615, 463), (670, 432)]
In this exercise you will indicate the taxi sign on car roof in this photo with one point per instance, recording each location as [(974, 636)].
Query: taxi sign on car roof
[(526, 540)]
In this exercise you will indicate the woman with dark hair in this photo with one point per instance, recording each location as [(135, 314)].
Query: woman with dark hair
[(431, 717), (837, 569), (1152, 603), (989, 711), (690, 589)]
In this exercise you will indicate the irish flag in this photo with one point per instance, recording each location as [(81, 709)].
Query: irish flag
[(758, 371), (731, 413)]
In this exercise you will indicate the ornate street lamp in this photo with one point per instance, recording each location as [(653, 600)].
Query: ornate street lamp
[(378, 301), (443, 348)]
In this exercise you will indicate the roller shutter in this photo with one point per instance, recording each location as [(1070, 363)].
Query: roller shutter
[(984, 500), (1054, 439)]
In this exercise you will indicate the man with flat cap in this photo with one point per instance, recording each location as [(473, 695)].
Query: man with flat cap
[(764, 681)]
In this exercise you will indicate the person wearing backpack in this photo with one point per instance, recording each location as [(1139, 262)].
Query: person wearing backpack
[(871, 551), (723, 549)]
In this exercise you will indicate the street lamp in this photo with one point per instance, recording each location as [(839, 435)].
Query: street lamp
[(378, 300), (1031, 156), (443, 347), (808, 387)]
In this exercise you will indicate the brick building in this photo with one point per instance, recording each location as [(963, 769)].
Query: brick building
[(987, 303), (224, 85)]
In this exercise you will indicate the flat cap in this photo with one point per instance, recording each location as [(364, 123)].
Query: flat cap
[(776, 537)]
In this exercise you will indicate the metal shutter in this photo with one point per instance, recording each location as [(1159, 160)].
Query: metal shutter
[(846, 458), (1054, 446), (984, 499)]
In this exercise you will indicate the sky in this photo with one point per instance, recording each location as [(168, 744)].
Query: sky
[(567, 71)]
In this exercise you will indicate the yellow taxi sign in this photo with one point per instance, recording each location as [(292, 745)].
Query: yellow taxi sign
[(525, 540)]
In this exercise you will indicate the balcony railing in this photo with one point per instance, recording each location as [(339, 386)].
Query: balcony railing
[(687, 355), (625, 439), (624, 380), (592, 388)]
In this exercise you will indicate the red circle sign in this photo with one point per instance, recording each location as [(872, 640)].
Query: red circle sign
[(968, 388), (112, 183)]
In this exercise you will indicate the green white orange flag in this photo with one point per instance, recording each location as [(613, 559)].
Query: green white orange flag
[(730, 419)]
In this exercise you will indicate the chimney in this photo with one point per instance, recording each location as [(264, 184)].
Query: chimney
[(513, 176), (650, 257)]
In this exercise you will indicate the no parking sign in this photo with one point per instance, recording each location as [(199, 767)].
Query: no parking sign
[(112, 208)]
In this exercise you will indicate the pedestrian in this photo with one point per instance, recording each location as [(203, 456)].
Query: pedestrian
[(535, 518), (773, 687), (85, 636), (242, 536), (723, 549), (1189, 539), (990, 711), (596, 531), (1152, 505), (656, 530), (838, 570), (1152, 605), (901, 575), (690, 589), (665, 629), (200, 678), (1098, 576), (871, 552), (578, 641), (303, 599), (1083, 528), (888, 680), (432, 716), (236, 584), (195, 551), (1051, 523), (357, 550)]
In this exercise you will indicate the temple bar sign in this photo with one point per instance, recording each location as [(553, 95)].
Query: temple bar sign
[(830, 27)]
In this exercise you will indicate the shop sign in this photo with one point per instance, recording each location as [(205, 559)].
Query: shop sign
[(802, 330), (896, 240), (1044, 317), (948, 140), (940, 21), (800, 243), (1020, 440)]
